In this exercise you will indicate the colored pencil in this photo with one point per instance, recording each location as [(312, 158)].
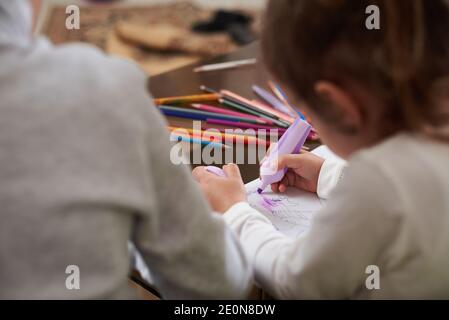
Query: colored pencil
[(286, 118), (208, 108), (244, 125), (281, 93), (283, 97), (238, 102), (263, 109), (238, 106), (186, 99), (234, 137), (271, 100), (235, 98), (184, 138), (243, 133), (276, 89), (204, 129), (225, 65), (203, 115), (208, 90), (238, 138)]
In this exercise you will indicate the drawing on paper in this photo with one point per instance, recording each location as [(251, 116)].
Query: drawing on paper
[(290, 212)]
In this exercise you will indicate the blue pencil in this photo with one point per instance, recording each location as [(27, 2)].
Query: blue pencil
[(271, 100), (175, 138), (278, 88)]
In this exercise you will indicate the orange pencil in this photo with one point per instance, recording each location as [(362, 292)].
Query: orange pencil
[(187, 99), (238, 138)]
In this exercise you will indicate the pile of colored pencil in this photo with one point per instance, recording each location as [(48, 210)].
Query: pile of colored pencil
[(272, 112)]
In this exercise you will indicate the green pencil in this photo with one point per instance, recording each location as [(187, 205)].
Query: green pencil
[(238, 106)]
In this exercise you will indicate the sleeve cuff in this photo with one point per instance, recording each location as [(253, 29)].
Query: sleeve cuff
[(330, 174)]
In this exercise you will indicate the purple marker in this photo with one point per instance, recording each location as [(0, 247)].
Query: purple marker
[(291, 142), (216, 170)]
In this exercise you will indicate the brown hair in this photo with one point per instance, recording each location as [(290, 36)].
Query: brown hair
[(405, 63)]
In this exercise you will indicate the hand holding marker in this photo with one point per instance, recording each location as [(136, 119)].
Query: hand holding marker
[(291, 142)]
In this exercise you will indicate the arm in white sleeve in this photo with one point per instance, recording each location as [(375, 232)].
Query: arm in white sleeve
[(329, 260), (330, 174), (191, 253)]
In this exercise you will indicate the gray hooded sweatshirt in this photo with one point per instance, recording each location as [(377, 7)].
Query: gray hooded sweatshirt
[(85, 167)]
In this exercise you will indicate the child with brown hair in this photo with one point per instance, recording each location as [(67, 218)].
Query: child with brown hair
[(379, 99)]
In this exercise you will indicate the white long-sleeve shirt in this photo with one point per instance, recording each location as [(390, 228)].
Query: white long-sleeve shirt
[(85, 167), (390, 210)]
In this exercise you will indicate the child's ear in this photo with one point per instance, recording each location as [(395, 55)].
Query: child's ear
[(351, 116)]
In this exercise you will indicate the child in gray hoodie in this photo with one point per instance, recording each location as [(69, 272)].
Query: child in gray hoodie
[(85, 167)]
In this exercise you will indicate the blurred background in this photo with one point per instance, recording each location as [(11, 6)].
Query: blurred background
[(160, 35)]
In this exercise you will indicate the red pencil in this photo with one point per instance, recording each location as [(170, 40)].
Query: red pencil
[(244, 125), (219, 110)]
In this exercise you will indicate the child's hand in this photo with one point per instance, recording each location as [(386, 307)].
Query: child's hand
[(303, 172), (222, 193)]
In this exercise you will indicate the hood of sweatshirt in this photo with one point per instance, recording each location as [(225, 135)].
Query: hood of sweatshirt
[(15, 22)]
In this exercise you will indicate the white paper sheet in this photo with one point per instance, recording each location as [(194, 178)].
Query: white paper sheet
[(290, 212)]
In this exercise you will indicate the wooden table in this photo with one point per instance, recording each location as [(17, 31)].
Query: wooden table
[(184, 81)]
